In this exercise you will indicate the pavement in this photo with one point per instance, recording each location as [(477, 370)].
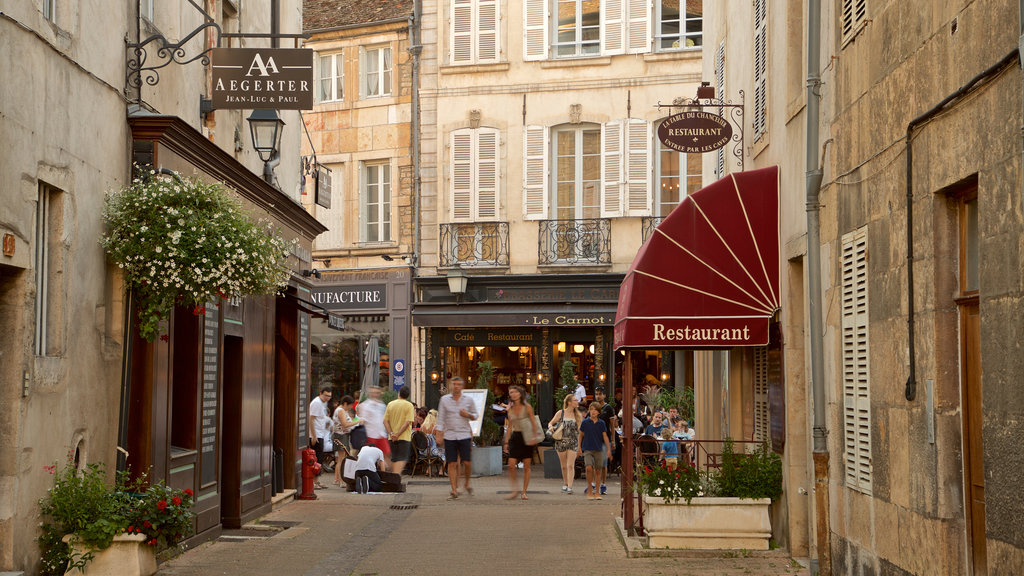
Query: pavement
[(420, 532)]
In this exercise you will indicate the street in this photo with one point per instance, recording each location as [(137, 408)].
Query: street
[(421, 533)]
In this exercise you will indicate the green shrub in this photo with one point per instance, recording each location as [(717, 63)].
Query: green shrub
[(756, 475)]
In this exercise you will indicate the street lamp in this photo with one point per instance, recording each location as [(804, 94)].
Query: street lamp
[(457, 281), (265, 127)]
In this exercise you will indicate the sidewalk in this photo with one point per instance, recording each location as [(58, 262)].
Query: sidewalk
[(420, 533)]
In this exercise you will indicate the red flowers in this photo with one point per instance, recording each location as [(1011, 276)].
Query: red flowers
[(165, 337), (147, 524), (189, 492), (152, 542), (199, 310), (176, 501), (162, 505), (51, 469)]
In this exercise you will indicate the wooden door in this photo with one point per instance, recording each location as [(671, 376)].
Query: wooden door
[(974, 466)]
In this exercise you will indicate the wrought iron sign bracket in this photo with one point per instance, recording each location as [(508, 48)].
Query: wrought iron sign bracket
[(731, 111)]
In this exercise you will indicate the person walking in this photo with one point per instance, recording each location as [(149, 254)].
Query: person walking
[(611, 422), (319, 426), (371, 411), (398, 418), (520, 422), (454, 413), (594, 442), (341, 438), (566, 422)]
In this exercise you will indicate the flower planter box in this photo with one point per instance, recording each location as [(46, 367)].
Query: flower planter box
[(127, 555), (708, 523), (486, 460)]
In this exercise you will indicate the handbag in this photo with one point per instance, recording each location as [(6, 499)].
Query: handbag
[(534, 434), (556, 432)]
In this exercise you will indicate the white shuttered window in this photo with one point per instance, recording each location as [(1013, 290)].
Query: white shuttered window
[(638, 168), (535, 172), (760, 119), (474, 32), (856, 374), (854, 17), (474, 175), (611, 169)]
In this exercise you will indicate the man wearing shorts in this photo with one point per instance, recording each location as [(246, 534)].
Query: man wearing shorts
[(595, 446), (398, 417), (454, 413)]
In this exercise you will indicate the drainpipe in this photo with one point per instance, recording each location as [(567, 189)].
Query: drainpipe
[(813, 182), (415, 48)]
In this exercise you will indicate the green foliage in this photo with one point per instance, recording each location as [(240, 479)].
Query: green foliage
[(682, 483), (187, 243), (490, 432), (567, 382), (81, 503), (162, 514), (756, 475), (681, 400)]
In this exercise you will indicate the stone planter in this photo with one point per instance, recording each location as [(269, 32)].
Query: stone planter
[(708, 523), (127, 555), (486, 460)]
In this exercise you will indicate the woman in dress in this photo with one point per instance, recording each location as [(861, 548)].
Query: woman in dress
[(520, 422), (569, 419), (343, 425)]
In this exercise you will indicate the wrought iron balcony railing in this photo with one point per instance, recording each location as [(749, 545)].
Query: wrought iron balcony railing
[(474, 244), (585, 241), (647, 226)]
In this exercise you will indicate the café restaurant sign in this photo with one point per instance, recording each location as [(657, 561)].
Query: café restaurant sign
[(272, 78), (695, 132)]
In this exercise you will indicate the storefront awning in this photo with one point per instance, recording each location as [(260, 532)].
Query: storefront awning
[(708, 277)]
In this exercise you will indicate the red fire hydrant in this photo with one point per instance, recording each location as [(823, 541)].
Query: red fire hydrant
[(310, 470)]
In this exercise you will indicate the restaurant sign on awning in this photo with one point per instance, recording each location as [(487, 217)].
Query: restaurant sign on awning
[(271, 78)]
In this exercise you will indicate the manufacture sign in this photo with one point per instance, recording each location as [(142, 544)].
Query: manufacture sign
[(271, 78), (695, 132), (350, 297)]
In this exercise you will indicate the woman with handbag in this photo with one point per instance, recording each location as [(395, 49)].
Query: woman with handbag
[(521, 435), (565, 427), (343, 426)]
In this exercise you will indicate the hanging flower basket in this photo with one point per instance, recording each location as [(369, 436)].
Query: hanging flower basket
[(184, 242)]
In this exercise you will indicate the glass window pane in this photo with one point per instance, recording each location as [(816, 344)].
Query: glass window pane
[(972, 249), (591, 141)]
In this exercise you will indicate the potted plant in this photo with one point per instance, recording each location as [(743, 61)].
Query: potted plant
[(487, 454), (185, 242), (724, 509), (90, 527)]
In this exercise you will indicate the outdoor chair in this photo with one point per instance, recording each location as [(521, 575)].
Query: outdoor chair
[(421, 456)]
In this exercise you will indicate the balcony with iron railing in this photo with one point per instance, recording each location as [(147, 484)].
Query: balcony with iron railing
[(573, 242), (474, 245)]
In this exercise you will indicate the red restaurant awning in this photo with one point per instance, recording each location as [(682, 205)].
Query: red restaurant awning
[(708, 277)]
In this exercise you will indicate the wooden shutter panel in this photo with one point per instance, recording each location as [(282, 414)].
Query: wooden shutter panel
[(762, 430), (760, 119), (638, 168), (613, 27), (856, 384), (535, 29), (487, 31), (487, 174), (461, 175), (720, 92), (462, 32), (535, 172), (854, 13), (611, 169), (638, 29)]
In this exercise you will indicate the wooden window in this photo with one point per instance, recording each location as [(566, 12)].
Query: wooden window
[(760, 117), (856, 371), (762, 420), (577, 27), (375, 72), (473, 180), (853, 18), (375, 202), (679, 24), (331, 77), (637, 200), (48, 264), (474, 32), (535, 172), (677, 176)]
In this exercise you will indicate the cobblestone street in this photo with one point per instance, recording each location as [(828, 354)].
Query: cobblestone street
[(421, 533)]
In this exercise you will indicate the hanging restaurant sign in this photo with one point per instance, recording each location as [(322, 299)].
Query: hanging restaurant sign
[(695, 132), (274, 78), (322, 192)]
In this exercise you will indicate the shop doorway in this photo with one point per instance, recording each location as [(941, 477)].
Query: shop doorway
[(231, 434)]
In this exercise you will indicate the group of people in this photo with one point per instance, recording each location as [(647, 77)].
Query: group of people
[(676, 437), (592, 433)]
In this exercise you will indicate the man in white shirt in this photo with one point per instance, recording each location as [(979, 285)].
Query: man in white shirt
[(370, 460), (319, 425), (454, 413), (580, 393), (371, 411)]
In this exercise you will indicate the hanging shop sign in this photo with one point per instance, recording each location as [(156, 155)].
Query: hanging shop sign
[(695, 132), (323, 187), (273, 78), (350, 297)]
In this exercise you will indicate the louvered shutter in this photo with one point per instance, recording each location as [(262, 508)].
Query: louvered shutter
[(638, 29), (611, 169), (638, 168), (487, 31), (856, 401), (720, 92), (535, 29), (761, 409), (462, 32), (535, 172), (613, 23), (486, 174), (461, 166), (760, 119), (854, 16)]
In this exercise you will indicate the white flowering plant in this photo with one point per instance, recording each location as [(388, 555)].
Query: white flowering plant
[(185, 242)]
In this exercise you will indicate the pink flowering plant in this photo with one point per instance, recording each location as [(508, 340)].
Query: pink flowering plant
[(185, 242)]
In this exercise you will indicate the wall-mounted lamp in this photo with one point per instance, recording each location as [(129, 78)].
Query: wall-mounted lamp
[(265, 126), (577, 348), (601, 377), (561, 346), (664, 377), (314, 273), (433, 377), (457, 281), (540, 377), (591, 348), (705, 91), (513, 348), (408, 258), (479, 348)]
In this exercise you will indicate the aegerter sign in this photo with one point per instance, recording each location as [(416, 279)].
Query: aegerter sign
[(695, 132), (274, 78)]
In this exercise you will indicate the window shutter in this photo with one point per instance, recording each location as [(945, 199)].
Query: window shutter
[(639, 26), (363, 196), (535, 172), (462, 32), (638, 168), (613, 36), (720, 92), (487, 174), (854, 13), (611, 169), (362, 73), (856, 401), (487, 31), (760, 120), (761, 410), (535, 29), (462, 175)]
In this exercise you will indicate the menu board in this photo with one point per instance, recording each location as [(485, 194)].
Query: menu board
[(208, 443)]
